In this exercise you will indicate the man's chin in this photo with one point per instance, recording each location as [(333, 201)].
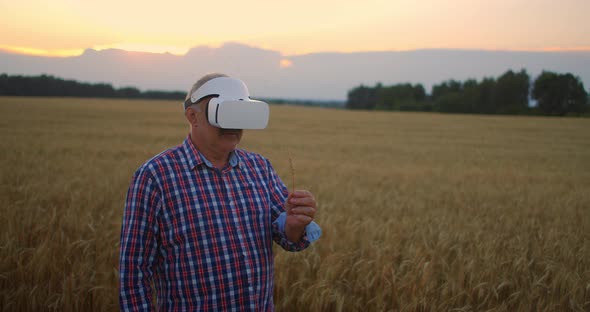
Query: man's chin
[(230, 141)]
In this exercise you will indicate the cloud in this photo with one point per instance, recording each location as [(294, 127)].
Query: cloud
[(268, 73)]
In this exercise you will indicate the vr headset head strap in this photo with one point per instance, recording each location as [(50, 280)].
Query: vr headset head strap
[(223, 87)]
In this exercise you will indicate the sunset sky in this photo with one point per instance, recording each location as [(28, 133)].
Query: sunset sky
[(67, 27)]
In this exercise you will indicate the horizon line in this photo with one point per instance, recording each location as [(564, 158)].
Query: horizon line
[(64, 53)]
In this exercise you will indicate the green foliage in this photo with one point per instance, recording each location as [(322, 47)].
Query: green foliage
[(400, 97), (560, 94), (129, 92), (45, 85), (453, 102), (485, 96), (508, 94), (300, 102), (363, 97), (511, 94), (450, 86), (403, 97)]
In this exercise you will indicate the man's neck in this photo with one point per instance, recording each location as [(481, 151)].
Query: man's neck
[(218, 159)]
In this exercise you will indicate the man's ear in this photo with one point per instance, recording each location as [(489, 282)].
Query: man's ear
[(191, 116)]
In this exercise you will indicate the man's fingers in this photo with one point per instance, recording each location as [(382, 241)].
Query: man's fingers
[(302, 193), (302, 201), (303, 210)]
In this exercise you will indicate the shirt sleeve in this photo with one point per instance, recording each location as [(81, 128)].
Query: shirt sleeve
[(312, 230), (279, 194), (138, 243)]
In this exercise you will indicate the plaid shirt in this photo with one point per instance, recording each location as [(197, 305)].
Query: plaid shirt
[(203, 235)]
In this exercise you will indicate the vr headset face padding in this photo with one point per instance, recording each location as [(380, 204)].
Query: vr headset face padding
[(232, 108)]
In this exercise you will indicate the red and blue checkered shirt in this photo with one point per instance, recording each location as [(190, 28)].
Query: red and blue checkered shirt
[(202, 235)]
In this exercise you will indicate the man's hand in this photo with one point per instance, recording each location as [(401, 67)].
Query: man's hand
[(301, 208)]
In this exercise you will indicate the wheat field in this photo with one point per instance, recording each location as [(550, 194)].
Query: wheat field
[(420, 212)]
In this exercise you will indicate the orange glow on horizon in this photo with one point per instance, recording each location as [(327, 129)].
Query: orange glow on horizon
[(144, 47), (42, 52), (570, 49), (285, 63)]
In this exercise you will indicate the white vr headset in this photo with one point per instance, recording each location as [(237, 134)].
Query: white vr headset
[(231, 108)]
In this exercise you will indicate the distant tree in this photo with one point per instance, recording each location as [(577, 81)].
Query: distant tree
[(507, 95), (511, 93), (388, 97), (453, 102), (171, 95), (419, 92), (470, 101), (403, 96), (362, 97), (128, 92), (419, 100), (449, 86), (560, 94), (104, 90), (448, 97), (486, 100)]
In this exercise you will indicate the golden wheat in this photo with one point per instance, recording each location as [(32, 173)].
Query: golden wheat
[(419, 212), (292, 167)]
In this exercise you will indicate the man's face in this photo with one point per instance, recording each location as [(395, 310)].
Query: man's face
[(217, 139)]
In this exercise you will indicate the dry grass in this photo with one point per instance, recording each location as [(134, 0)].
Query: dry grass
[(420, 212)]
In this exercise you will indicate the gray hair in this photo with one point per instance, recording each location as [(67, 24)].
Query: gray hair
[(200, 83)]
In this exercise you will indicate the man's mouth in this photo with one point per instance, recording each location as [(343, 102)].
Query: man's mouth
[(235, 132)]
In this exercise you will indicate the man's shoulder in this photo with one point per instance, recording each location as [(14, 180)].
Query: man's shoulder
[(160, 163), (251, 158)]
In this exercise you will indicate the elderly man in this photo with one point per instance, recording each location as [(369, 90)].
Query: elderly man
[(200, 218)]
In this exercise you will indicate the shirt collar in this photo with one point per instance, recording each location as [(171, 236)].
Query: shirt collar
[(195, 158), (234, 159)]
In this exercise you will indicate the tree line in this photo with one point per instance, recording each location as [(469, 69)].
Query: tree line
[(511, 93), (46, 85)]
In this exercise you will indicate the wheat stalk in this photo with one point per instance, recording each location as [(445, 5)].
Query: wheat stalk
[(292, 166)]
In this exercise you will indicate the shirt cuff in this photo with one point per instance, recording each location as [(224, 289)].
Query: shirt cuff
[(312, 230)]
